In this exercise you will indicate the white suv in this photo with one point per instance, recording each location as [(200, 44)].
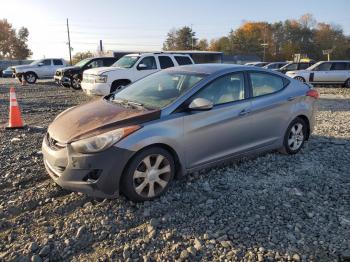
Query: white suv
[(129, 68), (324, 72), (39, 69)]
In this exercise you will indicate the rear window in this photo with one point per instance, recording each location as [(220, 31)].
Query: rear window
[(183, 60), (165, 62), (57, 62), (263, 84), (338, 66), (108, 61)]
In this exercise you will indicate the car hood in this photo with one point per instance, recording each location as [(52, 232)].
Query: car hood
[(96, 117), (102, 70), (64, 69), (21, 67)]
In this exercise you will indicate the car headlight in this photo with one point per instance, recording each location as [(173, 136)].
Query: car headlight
[(100, 79), (101, 142)]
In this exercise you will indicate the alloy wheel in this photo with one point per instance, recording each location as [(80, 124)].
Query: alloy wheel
[(296, 137), (299, 78), (30, 78), (151, 176)]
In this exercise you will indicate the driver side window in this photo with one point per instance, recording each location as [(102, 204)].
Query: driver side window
[(46, 62), (225, 89), (323, 67), (149, 62)]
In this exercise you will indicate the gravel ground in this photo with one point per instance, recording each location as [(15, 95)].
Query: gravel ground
[(266, 208)]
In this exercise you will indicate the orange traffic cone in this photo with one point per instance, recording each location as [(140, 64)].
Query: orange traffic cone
[(15, 120)]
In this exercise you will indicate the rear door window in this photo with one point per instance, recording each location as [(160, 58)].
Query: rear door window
[(338, 66), (183, 60), (108, 61), (165, 62), (264, 84), (57, 62)]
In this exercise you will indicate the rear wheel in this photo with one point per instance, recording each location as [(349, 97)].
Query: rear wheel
[(148, 175), (30, 77), (294, 137), (300, 78)]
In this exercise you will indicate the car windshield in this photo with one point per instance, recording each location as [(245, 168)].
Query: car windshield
[(83, 62), (126, 61), (158, 90), (36, 62)]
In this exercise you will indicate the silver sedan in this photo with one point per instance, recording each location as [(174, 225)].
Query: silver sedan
[(174, 122)]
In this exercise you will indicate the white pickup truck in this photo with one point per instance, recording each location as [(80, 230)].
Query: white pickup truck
[(129, 68), (39, 69)]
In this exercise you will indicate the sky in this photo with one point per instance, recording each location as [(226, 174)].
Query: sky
[(143, 24)]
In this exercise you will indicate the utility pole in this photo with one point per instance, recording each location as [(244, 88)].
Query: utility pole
[(264, 45), (101, 47), (192, 37), (70, 50)]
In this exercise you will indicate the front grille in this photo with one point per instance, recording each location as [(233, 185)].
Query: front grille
[(54, 144)]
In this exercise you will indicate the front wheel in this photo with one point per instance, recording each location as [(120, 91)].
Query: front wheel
[(76, 83), (148, 175), (347, 83), (294, 137), (299, 78), (30, 78)]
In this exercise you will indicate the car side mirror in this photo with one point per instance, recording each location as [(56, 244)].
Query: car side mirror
[(200, 104), (40, 64), (141, 67)]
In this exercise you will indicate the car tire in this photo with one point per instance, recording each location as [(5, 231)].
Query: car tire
[(347, 83), (30, 77), (75, 83), (294, 137), (300, 78), (148, 175)]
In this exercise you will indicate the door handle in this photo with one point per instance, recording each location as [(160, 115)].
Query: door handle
[(291, 98), (244, 112)]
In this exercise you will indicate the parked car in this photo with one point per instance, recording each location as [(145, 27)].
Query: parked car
[(39, 69), (8, 72), (129, 68), (172, 122), (257, 64), (324, 72), (71, 76), (275, 65), (295, 66)]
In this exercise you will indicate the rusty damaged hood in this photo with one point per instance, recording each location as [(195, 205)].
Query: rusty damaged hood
[(95, 118)]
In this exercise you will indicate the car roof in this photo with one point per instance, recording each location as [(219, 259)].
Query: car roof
[(157, 53), (208, 68)]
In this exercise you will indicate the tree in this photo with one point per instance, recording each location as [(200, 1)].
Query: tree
[(180, 39), (202, 45), (80, 56), (285, 39), (13, 45)]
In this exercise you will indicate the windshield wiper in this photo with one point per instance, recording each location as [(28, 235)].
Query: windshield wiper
[(126, 102)]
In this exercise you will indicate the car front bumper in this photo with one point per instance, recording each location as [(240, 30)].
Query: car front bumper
[(96, 175), (99, 89), (62, 80)]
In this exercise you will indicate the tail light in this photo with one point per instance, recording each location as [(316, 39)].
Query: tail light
[(313, 93)]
